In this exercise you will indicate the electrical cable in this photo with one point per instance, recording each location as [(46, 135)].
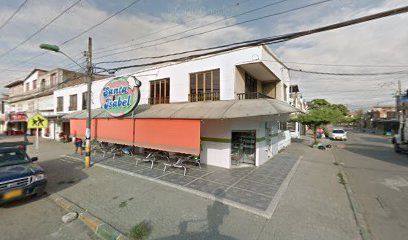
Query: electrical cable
[(216, 29), (80, 34), (13, 14), (202, 26), (100, 23), (348, 74), (165, 29), (281, 38), (39, 30)]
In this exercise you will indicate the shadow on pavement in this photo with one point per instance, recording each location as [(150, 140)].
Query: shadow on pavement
[(381, 153), (62, 173), (215, 218)]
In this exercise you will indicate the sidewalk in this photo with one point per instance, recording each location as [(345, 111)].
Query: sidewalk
[(254, 189), (314, 206)]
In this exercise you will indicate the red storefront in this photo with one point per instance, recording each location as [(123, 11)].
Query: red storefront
[(16, 123), (174, 135)]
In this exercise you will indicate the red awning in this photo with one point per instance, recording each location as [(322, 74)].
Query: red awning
[(77, 128), (174, 135), (118, 131)]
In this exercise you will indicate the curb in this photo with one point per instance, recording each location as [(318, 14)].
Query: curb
[(358, 216), (100, 228)]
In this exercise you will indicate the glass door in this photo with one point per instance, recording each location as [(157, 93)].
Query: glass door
[(243, 146)]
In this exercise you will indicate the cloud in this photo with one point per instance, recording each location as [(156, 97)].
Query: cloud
[(115, 33), (380, 42)]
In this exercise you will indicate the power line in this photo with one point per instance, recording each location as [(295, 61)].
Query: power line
[(39, 30), (100, 23), (349, 65), (166, 28), (219, 28), (348, 74), (14, 14), (80, 34), (281, 38), (201, 26)]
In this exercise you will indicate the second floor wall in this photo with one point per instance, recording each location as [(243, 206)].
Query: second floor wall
[(240, 74), (44, 103)]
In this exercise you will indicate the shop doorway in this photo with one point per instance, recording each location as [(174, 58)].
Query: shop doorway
[(243, 146)]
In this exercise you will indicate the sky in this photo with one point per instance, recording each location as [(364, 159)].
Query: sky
[(144, 28)]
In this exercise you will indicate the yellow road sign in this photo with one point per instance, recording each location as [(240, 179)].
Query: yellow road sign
[(37, 121)]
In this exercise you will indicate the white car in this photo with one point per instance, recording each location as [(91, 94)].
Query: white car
[(339, 134)]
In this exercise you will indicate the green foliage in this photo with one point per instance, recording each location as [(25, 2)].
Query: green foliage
[(321, 113), (318, 103), (319, 116), (343, 109), (140, 231)]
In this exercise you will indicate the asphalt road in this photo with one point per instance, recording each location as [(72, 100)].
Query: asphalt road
[(379, 180), (39, 217)]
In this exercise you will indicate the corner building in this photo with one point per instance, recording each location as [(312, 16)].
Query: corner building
[(230, 108)]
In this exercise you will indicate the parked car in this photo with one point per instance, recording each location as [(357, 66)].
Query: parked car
[(20, 176), (339, 134)]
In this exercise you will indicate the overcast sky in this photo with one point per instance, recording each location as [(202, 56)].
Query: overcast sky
[(374, 47)]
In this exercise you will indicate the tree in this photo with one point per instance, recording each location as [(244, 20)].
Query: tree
[(343, 109), (321, 113), (318, 103)]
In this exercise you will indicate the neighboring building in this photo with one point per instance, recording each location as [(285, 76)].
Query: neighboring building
[(296, 99), (4, 109), (382, 120), (229, 108), (35, 94)]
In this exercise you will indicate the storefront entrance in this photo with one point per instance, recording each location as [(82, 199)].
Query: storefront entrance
[(243, 146)]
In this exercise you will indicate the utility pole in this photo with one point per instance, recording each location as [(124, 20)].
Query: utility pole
[(399, 109), (89, 68)]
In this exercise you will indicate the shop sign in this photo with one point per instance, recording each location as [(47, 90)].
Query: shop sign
[(120, 95), (37, 121), (17, 117)]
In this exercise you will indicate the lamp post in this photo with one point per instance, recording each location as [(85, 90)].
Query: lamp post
[(89, 71)]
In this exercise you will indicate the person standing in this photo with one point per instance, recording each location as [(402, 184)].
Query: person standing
[(78, 145)]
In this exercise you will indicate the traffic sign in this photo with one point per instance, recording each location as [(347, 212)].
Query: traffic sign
[(37, 121)]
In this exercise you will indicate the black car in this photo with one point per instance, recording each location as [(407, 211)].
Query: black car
[(19, 176)]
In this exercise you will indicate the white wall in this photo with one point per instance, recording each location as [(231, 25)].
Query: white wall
[(79, 89), (179, 75), (34, 105), (219, 154), (30, 80)]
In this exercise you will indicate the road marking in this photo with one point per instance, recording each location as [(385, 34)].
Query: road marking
[(395, 183)]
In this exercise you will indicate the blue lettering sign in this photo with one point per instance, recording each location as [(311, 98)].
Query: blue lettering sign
[(118, 103)]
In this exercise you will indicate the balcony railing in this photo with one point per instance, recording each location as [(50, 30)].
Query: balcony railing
[(252, 95), (159, 100), (60, 108), (199, 97)]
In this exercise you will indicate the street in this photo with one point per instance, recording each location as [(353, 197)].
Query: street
[(40, 217), (315, 205), (379, 179)]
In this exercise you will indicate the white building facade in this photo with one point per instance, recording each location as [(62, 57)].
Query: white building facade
[(34, 95), (248, 74), (296, 100)]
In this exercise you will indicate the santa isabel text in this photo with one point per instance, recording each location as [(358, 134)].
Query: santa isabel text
[(116, 102)]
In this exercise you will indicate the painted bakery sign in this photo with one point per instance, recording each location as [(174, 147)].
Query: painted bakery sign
[(120, 95)]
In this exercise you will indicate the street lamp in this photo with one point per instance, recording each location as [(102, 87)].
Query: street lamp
[(89, 70)]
